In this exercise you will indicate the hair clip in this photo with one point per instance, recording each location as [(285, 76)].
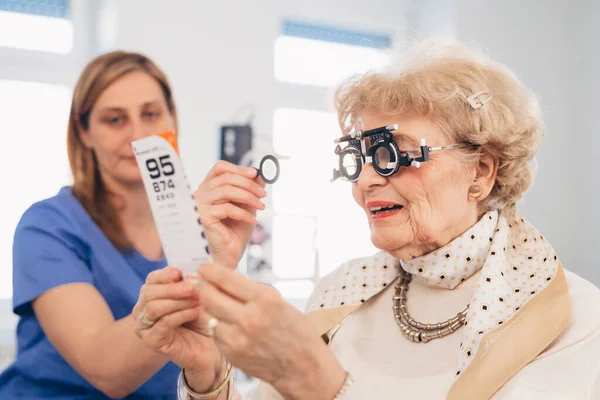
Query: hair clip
[(477, 102)]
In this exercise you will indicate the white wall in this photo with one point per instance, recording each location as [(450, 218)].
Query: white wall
[(545, 43), (583, 103)]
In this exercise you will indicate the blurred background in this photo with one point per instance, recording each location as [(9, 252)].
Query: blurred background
[(273, 65)]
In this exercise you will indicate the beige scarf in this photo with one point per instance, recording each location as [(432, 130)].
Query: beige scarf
[(520, 305)]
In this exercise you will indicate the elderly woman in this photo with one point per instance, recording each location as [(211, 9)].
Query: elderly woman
[(465, 300)]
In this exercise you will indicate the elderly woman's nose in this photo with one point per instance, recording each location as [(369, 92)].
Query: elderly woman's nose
[(369, 178)]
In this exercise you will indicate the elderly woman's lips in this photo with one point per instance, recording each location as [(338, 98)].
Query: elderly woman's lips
[(376, 205)]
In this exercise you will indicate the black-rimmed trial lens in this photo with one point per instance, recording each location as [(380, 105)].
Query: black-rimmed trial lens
[(268, 169)]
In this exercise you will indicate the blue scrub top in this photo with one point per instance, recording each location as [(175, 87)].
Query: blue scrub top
[(56, 243)]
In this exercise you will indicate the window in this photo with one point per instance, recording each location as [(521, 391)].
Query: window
[(323, 56), (43, 44), (34, 158), (36, 25), (306, 137), (294, 247), (308, 228)]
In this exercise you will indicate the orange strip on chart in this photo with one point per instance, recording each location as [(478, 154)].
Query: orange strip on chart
[(170, 137)]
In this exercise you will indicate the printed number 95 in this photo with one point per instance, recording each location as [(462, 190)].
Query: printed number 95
[(161, 168), (155, 169)]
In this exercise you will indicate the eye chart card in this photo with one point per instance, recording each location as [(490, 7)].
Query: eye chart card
[(172, 202)]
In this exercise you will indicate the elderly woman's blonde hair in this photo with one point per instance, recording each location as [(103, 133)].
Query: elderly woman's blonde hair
[(435, 79)]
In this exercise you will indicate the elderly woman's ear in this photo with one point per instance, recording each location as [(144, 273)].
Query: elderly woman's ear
[(486, 170)]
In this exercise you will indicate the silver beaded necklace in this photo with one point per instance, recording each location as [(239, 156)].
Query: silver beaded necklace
[(416, 331)]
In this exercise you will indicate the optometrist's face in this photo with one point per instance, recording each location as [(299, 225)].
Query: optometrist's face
[(131, 108)]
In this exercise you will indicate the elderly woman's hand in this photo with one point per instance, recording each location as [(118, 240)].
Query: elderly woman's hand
[(266, 337), (227, 201), (167, 321)]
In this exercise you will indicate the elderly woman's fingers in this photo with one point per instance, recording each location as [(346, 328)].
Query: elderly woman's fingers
[(229, 339), (230, 282), (158, 309), (207, 323), (219, 304)]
